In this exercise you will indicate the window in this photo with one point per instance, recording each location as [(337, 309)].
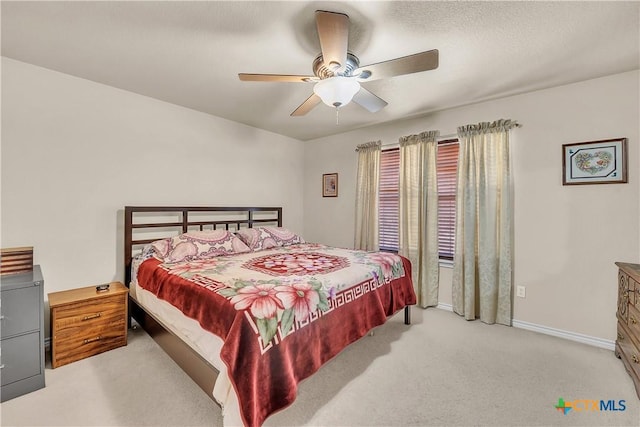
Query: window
[(389, 200), (447, 175), (447, 164)]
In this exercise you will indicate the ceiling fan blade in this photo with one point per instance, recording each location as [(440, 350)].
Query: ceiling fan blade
[(333, 31), (276, 78), (307, 105), (423, 61), (369, 101)]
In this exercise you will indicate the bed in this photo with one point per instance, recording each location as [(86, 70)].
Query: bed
[(247, 308)]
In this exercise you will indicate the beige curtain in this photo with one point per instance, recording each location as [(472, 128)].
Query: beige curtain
[(418, 225), (367, 178), (482, 267)]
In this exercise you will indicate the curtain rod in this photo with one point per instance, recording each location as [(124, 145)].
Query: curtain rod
[(440, 138)]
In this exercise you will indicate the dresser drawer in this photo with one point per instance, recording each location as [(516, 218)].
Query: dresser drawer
[(633, 324), (21, 358), (631, 352), (20, 310), (92, 314)]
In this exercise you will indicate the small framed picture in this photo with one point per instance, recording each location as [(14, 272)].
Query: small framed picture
[(595, 162), (330, 185)]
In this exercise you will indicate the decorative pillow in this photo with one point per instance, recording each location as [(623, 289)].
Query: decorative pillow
[(268, 237), (198, 245)]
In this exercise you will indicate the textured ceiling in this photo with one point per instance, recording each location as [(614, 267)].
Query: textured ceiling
[(189, 53)]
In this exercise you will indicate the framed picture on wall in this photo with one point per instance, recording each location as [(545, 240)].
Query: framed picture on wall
[(330, 185), (595, 162)]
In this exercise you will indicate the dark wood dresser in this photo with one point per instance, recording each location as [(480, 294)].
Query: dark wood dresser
[(628, 341), (85, 322)]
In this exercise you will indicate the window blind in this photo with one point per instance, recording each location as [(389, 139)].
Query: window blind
[(447, 175), (389, 199), (447, 164)]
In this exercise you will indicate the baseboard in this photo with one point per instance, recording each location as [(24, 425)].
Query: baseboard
[(573, 336), (442, 306)]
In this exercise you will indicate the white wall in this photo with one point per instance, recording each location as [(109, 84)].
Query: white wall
[(567, 238), (75, 152)]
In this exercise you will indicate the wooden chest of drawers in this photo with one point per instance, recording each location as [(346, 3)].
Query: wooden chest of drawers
[(85, 322), (628, 340)]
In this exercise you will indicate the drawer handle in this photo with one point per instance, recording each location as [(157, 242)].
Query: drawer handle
[(98, 338), (635, 359), (620, 336), (92, 316), (633, 320)]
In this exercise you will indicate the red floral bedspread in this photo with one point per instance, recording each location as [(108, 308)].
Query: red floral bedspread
[(282, 313)]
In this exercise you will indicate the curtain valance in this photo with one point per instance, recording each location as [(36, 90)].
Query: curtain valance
[(426, 136), (501, 125), (369, 145)]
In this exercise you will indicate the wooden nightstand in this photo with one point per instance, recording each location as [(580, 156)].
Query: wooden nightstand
[(85, 322)]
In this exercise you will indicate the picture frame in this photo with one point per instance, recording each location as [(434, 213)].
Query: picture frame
[(330, 185), (595, 162)]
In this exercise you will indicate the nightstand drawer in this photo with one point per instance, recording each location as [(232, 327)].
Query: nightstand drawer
[(88, 314), (80, 346), (20, 310), (93, 326)]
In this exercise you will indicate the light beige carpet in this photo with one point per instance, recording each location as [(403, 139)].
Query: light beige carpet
[(440, 371)]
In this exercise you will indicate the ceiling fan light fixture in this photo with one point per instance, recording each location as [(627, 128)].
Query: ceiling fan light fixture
[(336, 91), (337, 72)]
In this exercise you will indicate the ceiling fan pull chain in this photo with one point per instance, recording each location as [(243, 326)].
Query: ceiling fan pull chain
[(337, 119)]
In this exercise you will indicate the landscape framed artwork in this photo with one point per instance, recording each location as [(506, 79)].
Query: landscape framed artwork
[(330, 185), (595, 162)]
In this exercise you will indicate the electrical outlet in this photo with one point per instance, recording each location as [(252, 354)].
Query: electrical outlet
[(521, 291)]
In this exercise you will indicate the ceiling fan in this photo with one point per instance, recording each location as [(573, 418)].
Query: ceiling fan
[(337, 72)]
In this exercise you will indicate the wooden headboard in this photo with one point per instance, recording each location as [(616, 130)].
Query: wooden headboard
[(146, 224)]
